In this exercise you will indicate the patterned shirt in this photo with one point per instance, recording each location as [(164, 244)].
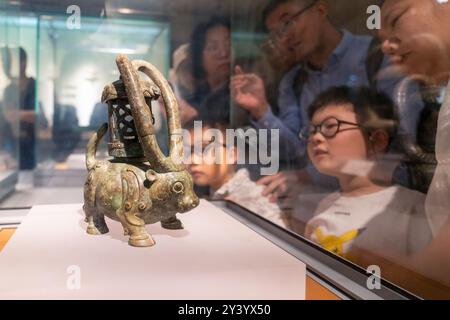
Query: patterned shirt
[(345, 66)]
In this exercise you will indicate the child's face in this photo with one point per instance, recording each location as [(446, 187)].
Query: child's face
[(204, 167), (415, 36), (330, 155)]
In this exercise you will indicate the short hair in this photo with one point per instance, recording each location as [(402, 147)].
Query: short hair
[(198, 42), (374, 110)]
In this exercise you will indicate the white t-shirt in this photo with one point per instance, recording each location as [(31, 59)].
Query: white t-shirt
[(390, 222)]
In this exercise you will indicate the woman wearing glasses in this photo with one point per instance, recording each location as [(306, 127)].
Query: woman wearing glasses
[(349, 134)]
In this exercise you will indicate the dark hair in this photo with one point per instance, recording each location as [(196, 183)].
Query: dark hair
[(374, 110), (198, 41), (208, 123)]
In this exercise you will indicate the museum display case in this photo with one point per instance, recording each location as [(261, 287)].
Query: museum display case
[(252, 81)]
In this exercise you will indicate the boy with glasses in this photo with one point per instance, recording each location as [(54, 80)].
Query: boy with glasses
[(348, 137)]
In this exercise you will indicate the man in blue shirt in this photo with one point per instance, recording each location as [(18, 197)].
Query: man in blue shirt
[(326, 57)]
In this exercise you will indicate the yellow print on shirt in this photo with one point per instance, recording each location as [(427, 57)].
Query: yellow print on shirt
[(334, 243)]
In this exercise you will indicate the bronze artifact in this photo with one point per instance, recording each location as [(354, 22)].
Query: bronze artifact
[(140, 185)]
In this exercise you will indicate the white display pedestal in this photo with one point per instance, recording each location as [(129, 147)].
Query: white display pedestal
[(51, 256)]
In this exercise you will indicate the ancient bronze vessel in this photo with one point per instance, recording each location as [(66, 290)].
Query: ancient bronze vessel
[(140, 185)]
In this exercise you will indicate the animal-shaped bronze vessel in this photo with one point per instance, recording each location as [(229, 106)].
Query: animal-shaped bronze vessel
[(140, 185)]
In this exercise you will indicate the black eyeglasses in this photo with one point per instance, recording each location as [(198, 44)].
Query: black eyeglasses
[(271, 41), (329, 128)]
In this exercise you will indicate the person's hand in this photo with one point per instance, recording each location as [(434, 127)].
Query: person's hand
[(248, 92)]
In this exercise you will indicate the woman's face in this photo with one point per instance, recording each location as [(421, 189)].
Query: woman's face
[(216, 53), (213, 165), (415, 36)]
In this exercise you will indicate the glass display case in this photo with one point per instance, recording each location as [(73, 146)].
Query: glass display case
[(75, 65), (300, 119)]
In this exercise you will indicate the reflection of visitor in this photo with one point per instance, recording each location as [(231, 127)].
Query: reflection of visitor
[(182, 81), (26, 113), (99, 115), (66, 133)]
